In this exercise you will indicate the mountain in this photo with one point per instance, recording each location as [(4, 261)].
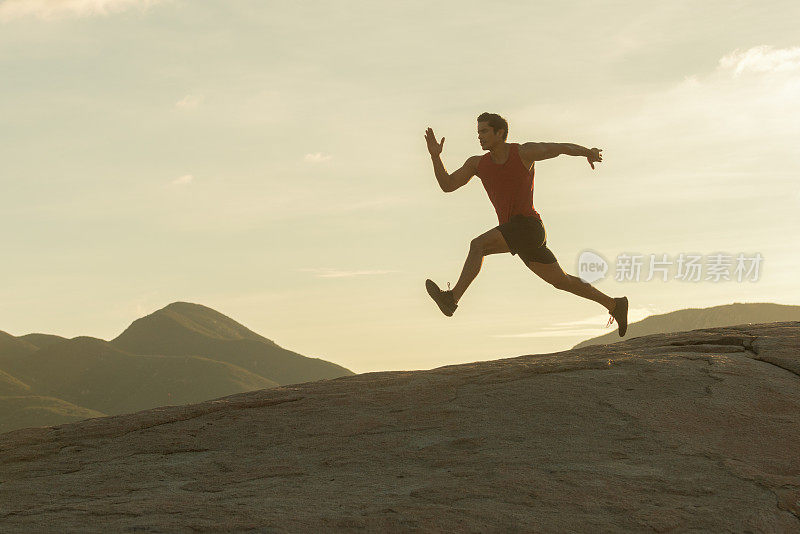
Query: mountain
[(683, 432), (183, 353), (11, 385), (91, 372), (180, 323), (693, 318), (183, 329), (18, 412), (42, 340), (13, 346)]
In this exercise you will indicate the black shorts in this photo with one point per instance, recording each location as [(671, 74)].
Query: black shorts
[(526, 236)]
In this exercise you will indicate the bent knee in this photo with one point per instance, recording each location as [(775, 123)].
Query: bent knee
[(477, 246)]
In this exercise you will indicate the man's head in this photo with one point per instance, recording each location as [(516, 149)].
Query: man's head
[(492, 130)]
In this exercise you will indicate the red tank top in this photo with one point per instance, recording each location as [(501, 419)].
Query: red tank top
[(509, 186)]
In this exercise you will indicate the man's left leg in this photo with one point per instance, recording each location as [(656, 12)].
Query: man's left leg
[(491, 242), (553, 274)]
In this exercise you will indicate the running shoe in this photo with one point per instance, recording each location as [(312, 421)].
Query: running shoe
[(620, 313), (444, 299)]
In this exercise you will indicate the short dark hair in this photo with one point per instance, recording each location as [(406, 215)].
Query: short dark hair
[(496, 122)]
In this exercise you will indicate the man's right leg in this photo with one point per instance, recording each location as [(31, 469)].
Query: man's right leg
[(491, 242)]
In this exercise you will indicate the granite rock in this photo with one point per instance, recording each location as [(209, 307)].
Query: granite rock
[(687, 431)]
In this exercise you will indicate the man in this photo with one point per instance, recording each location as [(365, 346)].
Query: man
[(506, 172)]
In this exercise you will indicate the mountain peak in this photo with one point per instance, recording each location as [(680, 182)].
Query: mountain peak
[(180, 320), (181, 306)]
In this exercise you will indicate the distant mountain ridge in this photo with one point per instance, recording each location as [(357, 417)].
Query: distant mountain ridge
[(694, 318), (183, 353), (91, 372), (42, 340), (13, 346)]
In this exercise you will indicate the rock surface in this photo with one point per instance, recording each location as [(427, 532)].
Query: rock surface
[(689, 431), (737, 313)]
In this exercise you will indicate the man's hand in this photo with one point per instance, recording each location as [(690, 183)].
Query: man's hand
[(595, 156), (434, 147)]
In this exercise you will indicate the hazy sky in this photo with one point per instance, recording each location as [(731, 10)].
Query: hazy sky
[(267, 159)]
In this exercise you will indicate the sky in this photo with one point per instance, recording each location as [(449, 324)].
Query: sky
[(267, 159)]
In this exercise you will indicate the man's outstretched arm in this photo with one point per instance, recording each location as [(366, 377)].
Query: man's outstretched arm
[(448, 182), (540, 151)]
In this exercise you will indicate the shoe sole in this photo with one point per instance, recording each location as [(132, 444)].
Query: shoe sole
[(434, 291)]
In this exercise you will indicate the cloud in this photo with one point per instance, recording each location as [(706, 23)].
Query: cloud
[(51, 9), (575, 332), (183, 180), (567, 329), (335, 273), (319, 157), (189, 102), (762, 58), (723, 116), (751, 94), (728, 133)]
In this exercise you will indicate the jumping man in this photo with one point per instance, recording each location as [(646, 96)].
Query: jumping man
[(506, 172)]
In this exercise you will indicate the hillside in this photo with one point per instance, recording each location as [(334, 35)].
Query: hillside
[(91, 372), (693, 318), (184, 353), (688, 432), (18, 411), (11, 385), (183, 329), (42, 340), (11, 346)]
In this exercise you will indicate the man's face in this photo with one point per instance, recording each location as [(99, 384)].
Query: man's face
[(487, 137)]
